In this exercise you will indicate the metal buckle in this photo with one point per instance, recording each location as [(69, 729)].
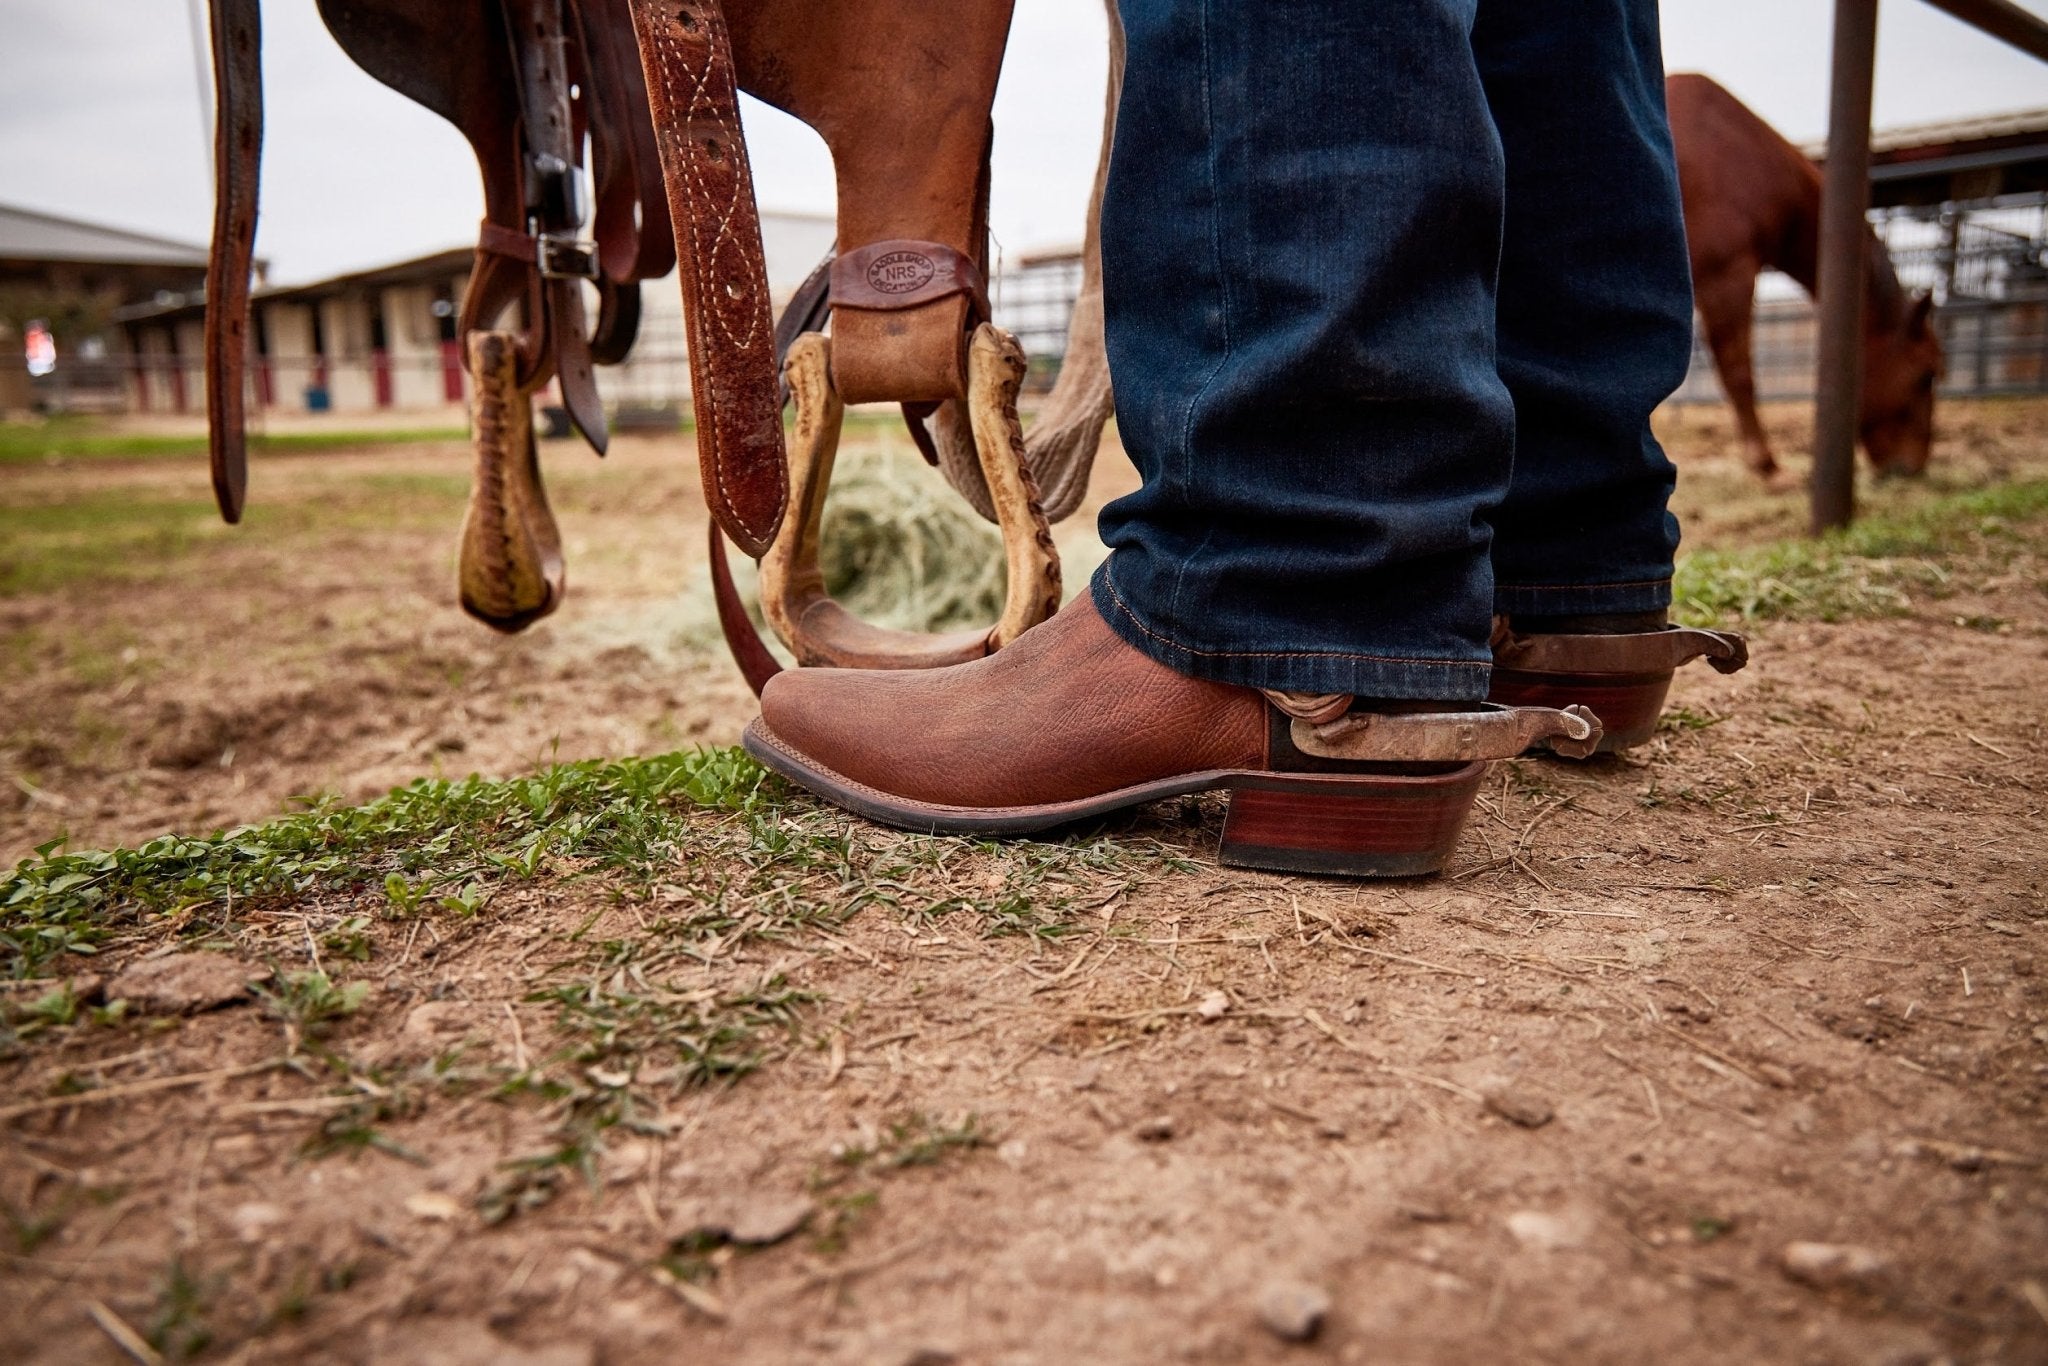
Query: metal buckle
[(564, 258)]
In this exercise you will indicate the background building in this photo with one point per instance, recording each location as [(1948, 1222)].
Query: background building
[(384, 339), (71, 279)]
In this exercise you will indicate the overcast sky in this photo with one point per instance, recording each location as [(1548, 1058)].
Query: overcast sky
[(100, 118)]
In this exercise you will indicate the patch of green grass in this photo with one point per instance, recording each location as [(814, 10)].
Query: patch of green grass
[(1877, 568), (1680, 719), (115, 536), (309, 1001), (917, 1140), (632, 813), (1708, 1227), (771, 860), (841, 1216), (75, 438), (621, 1022), (353, 1128), (177, 1325), (32, 1229)]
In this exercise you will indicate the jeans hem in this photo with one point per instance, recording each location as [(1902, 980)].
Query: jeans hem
[(1361, 675), (1642, 595)]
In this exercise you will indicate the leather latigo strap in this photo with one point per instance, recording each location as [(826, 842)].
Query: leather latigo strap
[(554, 149), (1639, 652), (237, 152), (686, 55)]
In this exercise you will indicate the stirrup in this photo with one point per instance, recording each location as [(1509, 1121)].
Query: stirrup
[(511, 572), (793, 598)]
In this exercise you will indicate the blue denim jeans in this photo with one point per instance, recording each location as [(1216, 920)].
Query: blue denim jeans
[(1392, 287)]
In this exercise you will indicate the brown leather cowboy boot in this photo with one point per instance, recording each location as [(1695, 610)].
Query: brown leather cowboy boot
[(1619, 666), (1070, 722)]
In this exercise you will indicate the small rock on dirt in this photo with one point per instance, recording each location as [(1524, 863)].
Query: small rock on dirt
[(1213, 1006), (1545, 1232), (769, 1219), (253, 1220), (194, 741), (1157, 1129), (433, 1205), (464, 1342), (1425, 1212), (751, 1221), (180, 983), (1518, 1106), (441, 1022), (1825, 1266), (1293, 1310)]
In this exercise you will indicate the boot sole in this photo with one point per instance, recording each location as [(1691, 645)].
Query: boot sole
[(1353, 825), (1628, 705)]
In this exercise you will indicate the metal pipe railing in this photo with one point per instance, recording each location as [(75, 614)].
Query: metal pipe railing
[(1844, 238), (1844, 243), (2001, 19)]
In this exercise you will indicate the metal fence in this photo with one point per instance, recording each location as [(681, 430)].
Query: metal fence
[(1986, 262)]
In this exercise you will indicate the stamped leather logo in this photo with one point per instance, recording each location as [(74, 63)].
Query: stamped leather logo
[(901, 272)]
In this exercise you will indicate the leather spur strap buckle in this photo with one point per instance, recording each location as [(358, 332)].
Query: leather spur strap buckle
[(793, 598), (564, 258)]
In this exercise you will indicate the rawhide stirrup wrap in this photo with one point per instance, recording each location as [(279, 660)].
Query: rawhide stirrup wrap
[(817, 630), (510, 568)]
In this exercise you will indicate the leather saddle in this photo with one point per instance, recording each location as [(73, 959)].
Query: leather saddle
[(900, 90)]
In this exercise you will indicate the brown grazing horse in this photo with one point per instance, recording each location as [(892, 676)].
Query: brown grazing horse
[(1753, 201)]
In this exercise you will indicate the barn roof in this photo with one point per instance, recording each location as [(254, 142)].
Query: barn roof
[(1921, 137), (27, 235), (1969, 159)]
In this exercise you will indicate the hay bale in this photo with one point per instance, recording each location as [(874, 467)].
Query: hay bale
[(900, 549)]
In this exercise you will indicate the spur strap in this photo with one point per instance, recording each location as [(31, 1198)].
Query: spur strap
[(237, 148), (686, 55)]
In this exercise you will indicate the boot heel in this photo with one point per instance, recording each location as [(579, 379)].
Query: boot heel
[(1628, 705), (1364, 825)]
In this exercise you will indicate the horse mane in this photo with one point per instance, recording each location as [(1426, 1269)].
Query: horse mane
[(1885, 297)]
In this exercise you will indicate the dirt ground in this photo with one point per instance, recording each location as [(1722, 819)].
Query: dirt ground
[(803, 1090)]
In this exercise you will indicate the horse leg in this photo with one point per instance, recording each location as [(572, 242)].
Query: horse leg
[(1725, 299)]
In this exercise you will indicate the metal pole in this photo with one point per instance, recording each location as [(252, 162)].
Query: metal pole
[(1844, 242)]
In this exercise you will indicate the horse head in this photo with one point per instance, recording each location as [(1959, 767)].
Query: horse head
[(1901, 365)]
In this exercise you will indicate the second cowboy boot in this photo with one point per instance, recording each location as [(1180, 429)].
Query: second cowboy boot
[(1071, 722), (1620, 667)]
